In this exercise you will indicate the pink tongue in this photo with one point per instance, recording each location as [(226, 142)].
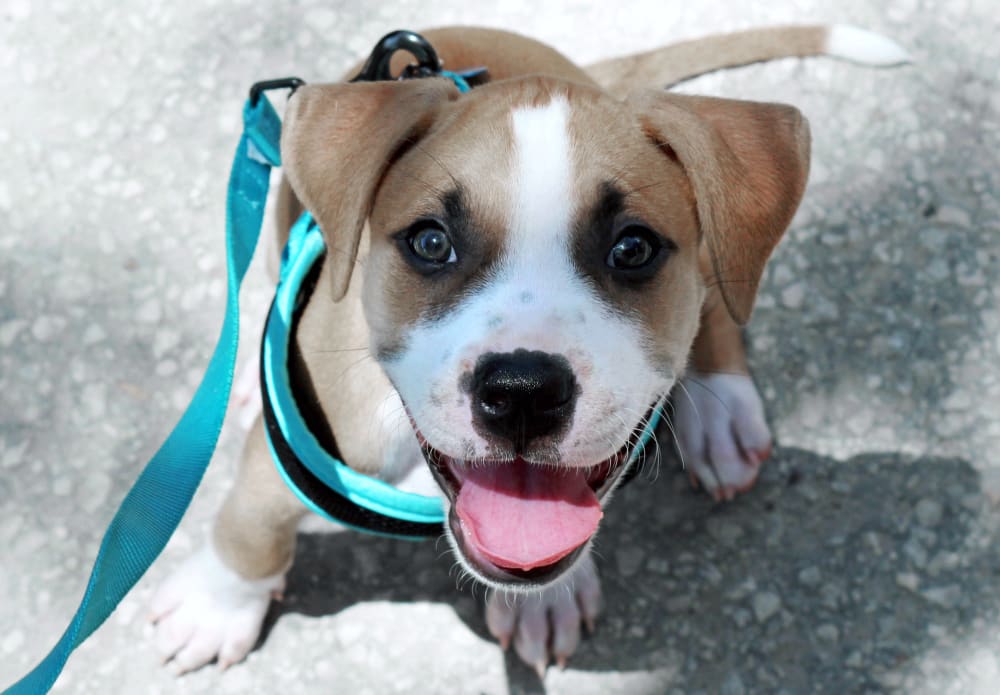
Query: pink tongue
[(522, 516)]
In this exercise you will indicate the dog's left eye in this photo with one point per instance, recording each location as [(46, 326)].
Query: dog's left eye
[(636, 247), (430, 243)]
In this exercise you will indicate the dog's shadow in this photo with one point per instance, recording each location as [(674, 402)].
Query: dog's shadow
[(828, 576)]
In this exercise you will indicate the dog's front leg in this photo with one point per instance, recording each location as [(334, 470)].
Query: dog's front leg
[(721, 431), (546, 624), (213, 606)]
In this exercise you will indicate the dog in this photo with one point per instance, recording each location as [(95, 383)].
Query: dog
[(516, 280)]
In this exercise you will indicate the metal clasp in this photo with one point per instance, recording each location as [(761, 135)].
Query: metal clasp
[(259, 88)]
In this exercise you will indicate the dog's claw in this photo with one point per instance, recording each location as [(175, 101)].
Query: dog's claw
[(547, 623)]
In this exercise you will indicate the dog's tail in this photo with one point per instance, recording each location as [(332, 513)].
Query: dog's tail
[(669, 65)]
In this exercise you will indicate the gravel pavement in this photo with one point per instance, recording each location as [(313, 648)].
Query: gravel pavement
[(867, 559)]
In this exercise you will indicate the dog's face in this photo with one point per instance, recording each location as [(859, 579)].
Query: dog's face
[(533, 286)]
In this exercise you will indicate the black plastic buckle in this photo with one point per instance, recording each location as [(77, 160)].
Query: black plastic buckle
[(377, 68), (259, 88)]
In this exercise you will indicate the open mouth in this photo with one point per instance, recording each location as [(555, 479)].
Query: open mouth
[(519, 522)]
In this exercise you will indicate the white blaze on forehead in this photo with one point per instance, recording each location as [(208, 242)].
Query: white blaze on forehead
[(542, 196)]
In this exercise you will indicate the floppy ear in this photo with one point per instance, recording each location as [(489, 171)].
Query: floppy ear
[(337, 142), (747, 163)]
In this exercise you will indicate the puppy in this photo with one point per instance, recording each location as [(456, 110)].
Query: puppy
[(531, 268)]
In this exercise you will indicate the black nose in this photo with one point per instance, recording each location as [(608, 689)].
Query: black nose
[(522, 395)]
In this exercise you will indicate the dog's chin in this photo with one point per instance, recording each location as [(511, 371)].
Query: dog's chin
[(451, 473)]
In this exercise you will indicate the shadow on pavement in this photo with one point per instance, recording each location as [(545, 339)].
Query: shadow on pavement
[(825, 578)]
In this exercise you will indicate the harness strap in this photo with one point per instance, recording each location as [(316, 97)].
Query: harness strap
[(315, 474), (153, 508)]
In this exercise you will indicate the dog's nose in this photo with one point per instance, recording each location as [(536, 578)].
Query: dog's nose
[(522, 395)]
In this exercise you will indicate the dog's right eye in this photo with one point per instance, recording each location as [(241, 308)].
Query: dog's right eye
[(429, 242)]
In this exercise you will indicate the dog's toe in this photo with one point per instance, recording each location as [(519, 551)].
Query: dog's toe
[(721, 432), (547, 624), (205, 611)]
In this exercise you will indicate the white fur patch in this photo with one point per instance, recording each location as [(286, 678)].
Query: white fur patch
[(863, 46), (205, 610)]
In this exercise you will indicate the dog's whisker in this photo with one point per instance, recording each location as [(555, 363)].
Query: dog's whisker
[(702, 384), (417, 146), (697, 411)]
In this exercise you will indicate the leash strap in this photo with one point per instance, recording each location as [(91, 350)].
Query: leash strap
[(154, 506)]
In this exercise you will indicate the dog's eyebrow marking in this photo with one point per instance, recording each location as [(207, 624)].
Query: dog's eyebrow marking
[(609, 206), (453, 203)]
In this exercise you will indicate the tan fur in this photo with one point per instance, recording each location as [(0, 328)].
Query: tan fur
[(663, 67), (255, 531)]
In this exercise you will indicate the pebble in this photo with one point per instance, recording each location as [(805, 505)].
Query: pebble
[(793, 296), (9, 330), (828, 632), (908, 580), (149, 311), (12, 642), (46, 327), (944, 596), (93, 491), (733, 685), (725, 531), (810, 576), (629, 559), (765, 605), (929, 512), (950, 214)]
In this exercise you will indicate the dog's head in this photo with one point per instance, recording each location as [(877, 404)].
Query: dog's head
[(539, 253)]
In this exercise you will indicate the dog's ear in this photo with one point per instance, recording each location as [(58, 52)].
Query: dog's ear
[(747, 163), (337, 142)]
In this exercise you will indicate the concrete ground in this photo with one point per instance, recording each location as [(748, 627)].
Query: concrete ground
[(866, 560)]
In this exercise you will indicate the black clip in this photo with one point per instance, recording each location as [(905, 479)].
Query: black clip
[(259, 88), (377, 68)]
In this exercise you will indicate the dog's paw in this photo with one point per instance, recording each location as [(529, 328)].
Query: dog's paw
[(547, 624), (206, 611), (721, 432)]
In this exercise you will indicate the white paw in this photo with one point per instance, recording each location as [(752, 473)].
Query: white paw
[(547, 624), (206, 611), (721, 432)]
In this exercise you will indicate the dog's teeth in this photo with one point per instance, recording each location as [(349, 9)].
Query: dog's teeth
[(540, 666)]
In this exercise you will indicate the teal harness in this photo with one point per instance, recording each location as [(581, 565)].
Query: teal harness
[(317, 476), (153, 508)]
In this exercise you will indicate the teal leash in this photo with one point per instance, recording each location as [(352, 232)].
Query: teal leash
[(153, 508)]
